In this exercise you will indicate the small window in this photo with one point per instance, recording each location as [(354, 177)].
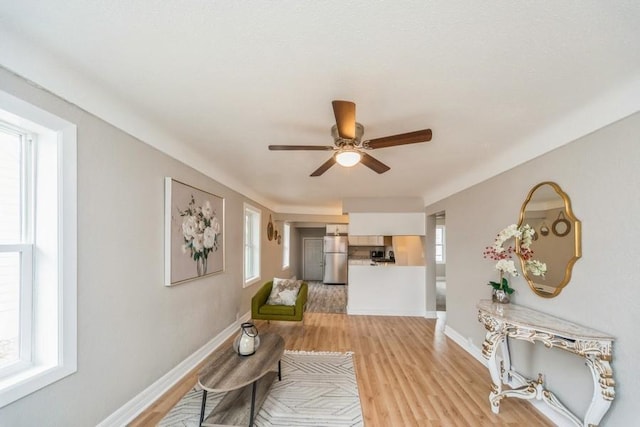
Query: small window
[(440, 245), (252, 221), (286, 244)]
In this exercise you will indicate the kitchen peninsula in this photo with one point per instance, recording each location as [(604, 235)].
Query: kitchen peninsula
[(390, 289)]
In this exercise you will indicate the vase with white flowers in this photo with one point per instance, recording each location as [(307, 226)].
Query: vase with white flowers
[(503, 256), (201, 231)]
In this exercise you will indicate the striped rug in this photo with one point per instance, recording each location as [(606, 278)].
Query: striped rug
[(317, 389)]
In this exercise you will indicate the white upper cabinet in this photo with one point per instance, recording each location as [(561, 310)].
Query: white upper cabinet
[(387, 224), (366, 241), (337, 229)]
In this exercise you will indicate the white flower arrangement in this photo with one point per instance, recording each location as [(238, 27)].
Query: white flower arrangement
[(201, 231), (503, 256)]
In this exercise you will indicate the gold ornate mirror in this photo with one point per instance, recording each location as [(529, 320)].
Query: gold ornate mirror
[(557, 239)]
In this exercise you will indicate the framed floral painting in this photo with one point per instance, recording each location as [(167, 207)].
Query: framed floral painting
[(194, 233)]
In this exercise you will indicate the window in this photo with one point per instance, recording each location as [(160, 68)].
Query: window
[(37, 248), (286, 244), (16, 247), (252, 221), (440, 248)]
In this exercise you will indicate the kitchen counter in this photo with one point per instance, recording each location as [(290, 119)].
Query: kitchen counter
[(359, 262), (388, 290), (371, 262)]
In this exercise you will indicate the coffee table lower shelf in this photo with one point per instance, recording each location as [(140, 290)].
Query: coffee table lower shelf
[(235, 407)]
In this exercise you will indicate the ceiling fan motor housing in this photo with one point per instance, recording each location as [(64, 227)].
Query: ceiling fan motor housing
[(339, 141)]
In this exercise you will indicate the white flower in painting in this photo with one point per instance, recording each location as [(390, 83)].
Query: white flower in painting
[(189, 227), (198, 242), (207, 210), (201, 226), (215, 225), (507, 266), (209, 238)]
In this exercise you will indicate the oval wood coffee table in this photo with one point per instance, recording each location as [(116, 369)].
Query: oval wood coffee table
[(245, 379)]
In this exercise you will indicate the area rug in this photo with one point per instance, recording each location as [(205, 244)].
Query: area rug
[(326, 298), (317, 389)]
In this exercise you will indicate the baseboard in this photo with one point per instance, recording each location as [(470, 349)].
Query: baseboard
[(546, 410), (466, 344), (431, 315), (139, 403)]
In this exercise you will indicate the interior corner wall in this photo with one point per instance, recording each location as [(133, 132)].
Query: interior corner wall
[(600, 174), (131, 328)]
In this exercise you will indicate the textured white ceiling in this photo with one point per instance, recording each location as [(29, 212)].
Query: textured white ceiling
[(214, 82)]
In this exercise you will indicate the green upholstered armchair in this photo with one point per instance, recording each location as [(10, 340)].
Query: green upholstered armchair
[(261, 310)]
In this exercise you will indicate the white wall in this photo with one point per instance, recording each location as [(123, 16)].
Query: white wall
[(131, 328), (600, 174)]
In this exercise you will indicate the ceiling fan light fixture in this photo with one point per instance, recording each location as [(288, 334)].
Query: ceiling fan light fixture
[(348, 157)]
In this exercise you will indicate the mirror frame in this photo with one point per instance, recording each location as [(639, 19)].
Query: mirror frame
[(575, 222)]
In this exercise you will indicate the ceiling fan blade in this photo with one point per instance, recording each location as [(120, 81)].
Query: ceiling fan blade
[(345, 113), (401, 139), (300, 147), (325, 166), (373, 163)]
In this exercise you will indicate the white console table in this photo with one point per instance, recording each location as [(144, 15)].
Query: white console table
[(504, 321)]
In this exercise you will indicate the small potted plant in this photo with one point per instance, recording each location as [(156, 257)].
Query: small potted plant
[(504, 262)]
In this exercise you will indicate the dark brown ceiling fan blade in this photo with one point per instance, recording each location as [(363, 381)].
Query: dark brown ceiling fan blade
[(325, 166), (345, 113), (373, 163), (300, 147), (401, 139)]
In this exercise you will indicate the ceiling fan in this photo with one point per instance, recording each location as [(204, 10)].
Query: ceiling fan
[(349, 149)]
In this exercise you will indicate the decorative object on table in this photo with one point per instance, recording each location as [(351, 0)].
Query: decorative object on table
[(194, 232), (497, 252), (275, 235), (248, 341), (270, 229), (279, 238)]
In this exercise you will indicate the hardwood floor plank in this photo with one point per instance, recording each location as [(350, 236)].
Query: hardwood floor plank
[(409, 373)]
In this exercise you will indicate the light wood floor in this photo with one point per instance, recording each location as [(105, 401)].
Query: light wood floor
[(409, 373)]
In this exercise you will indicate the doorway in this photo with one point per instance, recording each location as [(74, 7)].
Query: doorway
[(441, 262), (312, 258)]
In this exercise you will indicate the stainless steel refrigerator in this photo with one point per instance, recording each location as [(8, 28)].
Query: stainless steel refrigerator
[(335, 259)]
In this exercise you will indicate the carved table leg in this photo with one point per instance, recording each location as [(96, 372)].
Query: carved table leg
[(603, 389), (505, 369), (489, 349)]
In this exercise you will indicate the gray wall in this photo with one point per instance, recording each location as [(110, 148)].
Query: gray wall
[(131, 328), (600, 174)]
